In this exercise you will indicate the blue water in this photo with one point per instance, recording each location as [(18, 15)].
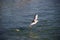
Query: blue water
[(18, 14)]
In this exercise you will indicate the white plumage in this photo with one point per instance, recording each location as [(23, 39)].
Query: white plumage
[(35, 20)]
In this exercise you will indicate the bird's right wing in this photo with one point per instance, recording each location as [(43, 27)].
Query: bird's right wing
[(36, 17)]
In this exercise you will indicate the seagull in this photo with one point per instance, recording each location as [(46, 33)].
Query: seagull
[(35, 20)]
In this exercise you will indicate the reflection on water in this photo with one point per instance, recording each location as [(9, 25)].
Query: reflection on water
[(12, 33), (31, 34), (17, 15)]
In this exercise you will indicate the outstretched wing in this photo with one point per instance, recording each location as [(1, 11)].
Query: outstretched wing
[(36, 17)]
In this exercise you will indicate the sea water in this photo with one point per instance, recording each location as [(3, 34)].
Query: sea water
[(18, 14)]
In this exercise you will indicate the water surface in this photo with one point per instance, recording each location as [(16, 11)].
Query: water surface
[(18, 14)]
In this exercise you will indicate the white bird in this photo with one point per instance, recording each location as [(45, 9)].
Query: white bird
[(35, 20)]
